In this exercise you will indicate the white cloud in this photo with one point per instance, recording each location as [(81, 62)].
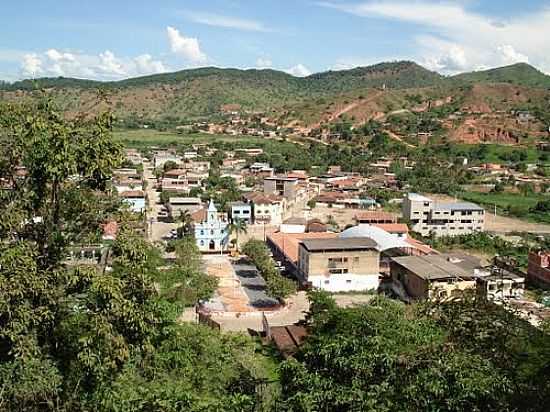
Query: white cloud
[(229, 22), (264, 63), (31, 65), (186, 47), (105, 66), (146, 64), (510, 56), (453, 38), (299, 71)]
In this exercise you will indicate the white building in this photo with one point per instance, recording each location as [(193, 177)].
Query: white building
[(339, 265), (442, 219)]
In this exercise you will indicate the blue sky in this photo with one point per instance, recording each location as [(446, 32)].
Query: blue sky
[(121, 38)]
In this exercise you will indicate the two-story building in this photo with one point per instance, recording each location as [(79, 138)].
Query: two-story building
[(241, 211), (339, 265)]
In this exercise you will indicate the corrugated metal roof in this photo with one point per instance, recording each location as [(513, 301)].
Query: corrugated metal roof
[(360, 243)]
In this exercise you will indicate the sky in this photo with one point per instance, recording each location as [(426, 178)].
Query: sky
[(116, 39)]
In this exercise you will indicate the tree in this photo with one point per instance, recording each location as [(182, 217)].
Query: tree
[(186, 220), (97, 337), (169, 165), (57, 154), (429, 357), (237, 227), (278, 286)]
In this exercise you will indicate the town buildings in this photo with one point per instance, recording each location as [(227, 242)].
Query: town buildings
[(442, 219)]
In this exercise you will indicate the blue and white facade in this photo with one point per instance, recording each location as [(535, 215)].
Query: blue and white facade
[(212, 235)]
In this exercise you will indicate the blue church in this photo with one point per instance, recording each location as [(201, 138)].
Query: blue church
[(212, 235)]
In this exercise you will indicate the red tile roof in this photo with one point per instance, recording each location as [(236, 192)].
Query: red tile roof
[(393, 227), (289, 243)]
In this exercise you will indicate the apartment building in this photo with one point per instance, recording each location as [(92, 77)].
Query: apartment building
[(339, 265), (427, 216)]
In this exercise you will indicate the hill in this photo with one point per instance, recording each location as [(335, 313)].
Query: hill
[(521, 74), (378, 92)]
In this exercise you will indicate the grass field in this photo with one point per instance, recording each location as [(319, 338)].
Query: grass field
[(495, 151), (513, 204), (147, 138)]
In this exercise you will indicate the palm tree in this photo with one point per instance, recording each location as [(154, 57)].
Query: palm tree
[(238, 226), (187, 223)]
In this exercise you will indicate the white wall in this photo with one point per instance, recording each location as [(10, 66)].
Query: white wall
[(345, 282)]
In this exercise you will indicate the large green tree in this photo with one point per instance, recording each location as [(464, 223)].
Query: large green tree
[(96, 337), (467, 356)]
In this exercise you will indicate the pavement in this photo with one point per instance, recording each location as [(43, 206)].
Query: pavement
[(157, 231), (254, 286)]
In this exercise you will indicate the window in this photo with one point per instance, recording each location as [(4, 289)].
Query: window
[(202, 242), (202, 232), (348, 280), (211, 232), (356, 260), (327, 282)]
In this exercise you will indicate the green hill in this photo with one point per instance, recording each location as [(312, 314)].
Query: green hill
[(200, 93), (521, 74)]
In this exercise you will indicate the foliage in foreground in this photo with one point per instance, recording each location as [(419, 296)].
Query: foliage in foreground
[(459, 356), (80, 338)]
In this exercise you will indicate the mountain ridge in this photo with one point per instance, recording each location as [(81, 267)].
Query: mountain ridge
[(515, 73)]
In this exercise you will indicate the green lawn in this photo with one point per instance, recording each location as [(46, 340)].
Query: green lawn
[(494, 151), (148, 137), (514, 204)]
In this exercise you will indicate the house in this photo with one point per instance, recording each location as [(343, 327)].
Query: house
[(241, 211), (178, 205), (135, 199), (212, 234), (161, 157), (339, 265), (198, 167), (267, 209), (442, 219), (435, 276), (286, 338), (190, 154), (175, 185), (501, 284), (261, 169), (538, 268)]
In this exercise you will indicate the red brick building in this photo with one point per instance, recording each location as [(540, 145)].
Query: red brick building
[(538, 268)]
